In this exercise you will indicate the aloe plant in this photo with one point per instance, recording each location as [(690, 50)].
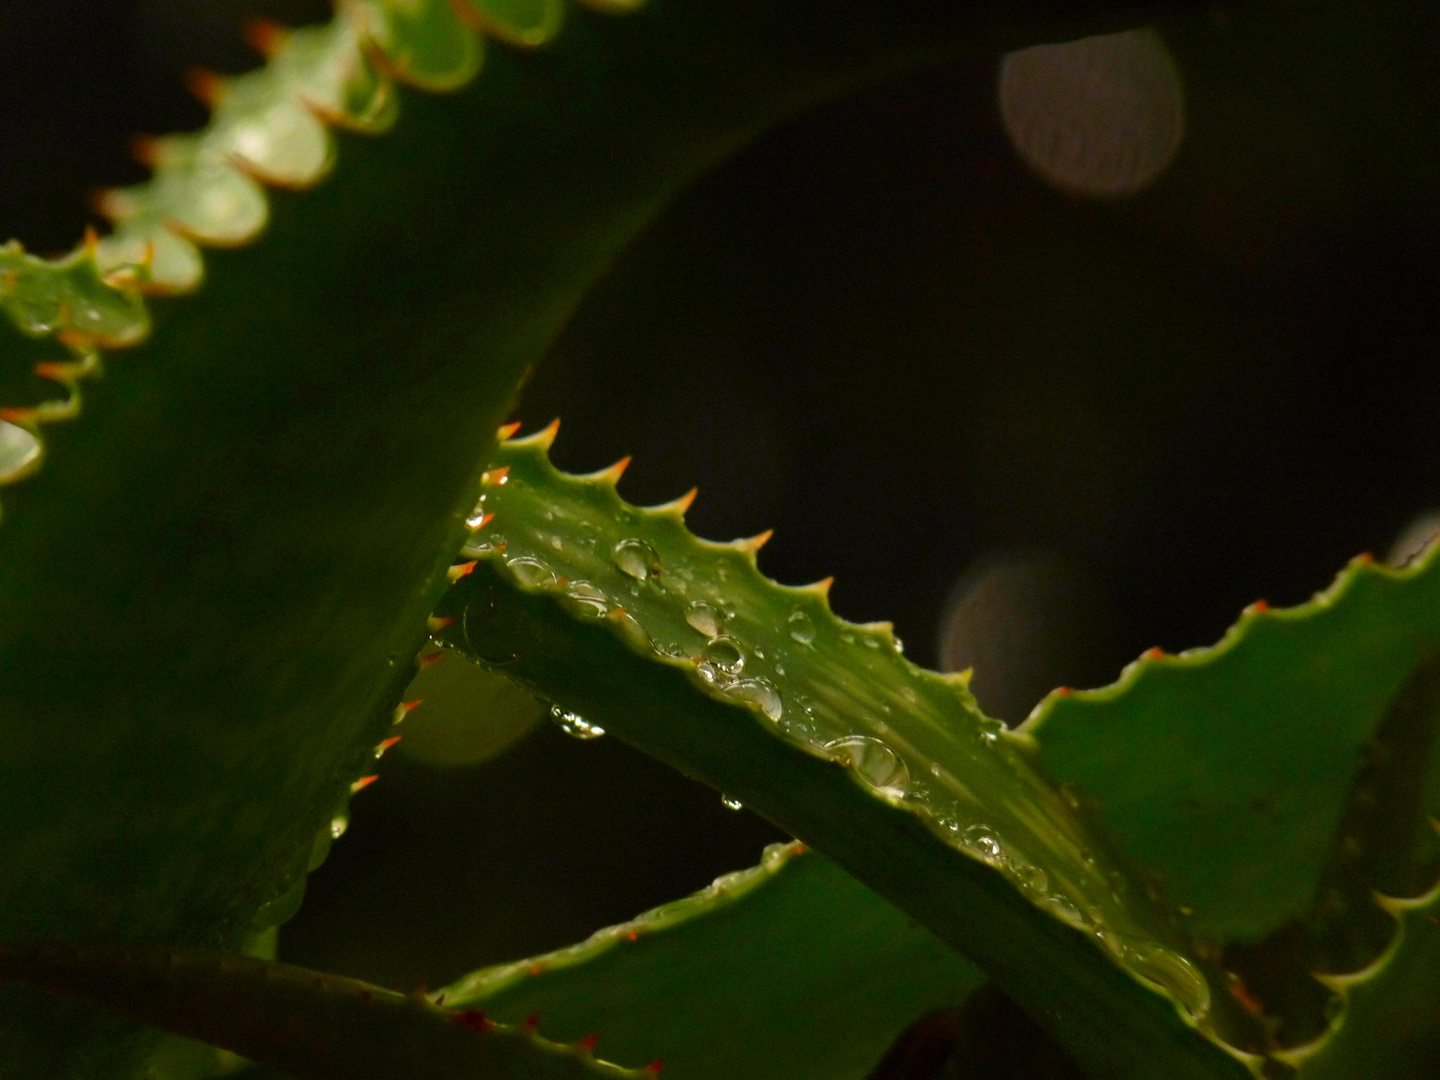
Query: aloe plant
[(247, 487)]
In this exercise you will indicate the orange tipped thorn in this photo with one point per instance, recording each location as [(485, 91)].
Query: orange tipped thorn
[(459, 570), (613, 474), (546, 437), (362, 784), (146, 150), (822, 586), (587, 1043), (632, 936), (678, 506), (264, 36), (1365, 557), (436, 623), (799, 848), (532, 1022), (386, 744), (1154, 654), (426, 661), (53, 369), (474, 1019), (20, 416), (491, 477), (1063, 691), (654, 1067), (92, 240), (404, 708), (205, 85), (535, 969), (754, 543), (506, 430), (1259, 607), (476, 524)]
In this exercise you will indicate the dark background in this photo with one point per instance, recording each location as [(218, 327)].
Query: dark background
[(879, 334)]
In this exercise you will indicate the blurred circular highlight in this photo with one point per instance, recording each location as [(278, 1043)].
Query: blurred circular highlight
[(1100, 117)]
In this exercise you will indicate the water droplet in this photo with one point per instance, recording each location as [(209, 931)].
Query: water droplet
[(482, 544), (874, 762), (575, 725), (477, 515), (556, 543), (981, 841), (637, 559), (1174, 974), (779, 669), (338, 824), (704, 618), (757, 692), (899, 645), (19, 450), (631, 628), (1030, 877), (800, 626), (1062, 908), (731, 803), (725, 655), (528, 571), (586, 598)]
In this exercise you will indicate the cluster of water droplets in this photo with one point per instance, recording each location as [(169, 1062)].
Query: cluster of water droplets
[(1022, 836), (575, 725)]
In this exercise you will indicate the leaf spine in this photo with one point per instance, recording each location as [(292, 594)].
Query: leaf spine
[(612, 474), (459, 570), (361, 784), (506, 431)]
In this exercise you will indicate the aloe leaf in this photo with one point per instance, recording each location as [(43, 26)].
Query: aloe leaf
[(309, 1023), (788, 970), (218, 566), (1386, 1023), (683, 648), (1250, 747)]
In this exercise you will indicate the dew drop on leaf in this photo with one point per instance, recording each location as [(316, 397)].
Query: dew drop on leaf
[(636, 559), (800, 626), (724, 654), (704, 618), (981, 841), (575, 725), (757, 692), (528, 571), (875, 763), (731, 803)]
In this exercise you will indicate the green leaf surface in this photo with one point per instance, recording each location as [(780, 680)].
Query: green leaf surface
[(683, 648), (791, 970), (316, 1026), (211, 589), (1387, 1024), (1250, 747)]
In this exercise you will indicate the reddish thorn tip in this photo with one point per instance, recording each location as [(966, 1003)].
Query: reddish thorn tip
[(439, 622), (455, 573), (1258, 607), (491, 477), (386, 744), (551, 430), (205, 85), (428, 660), (362, 784), (474, 1019), (1154, 654), (1063, 691), (632, 936), (1365, 557), (654, 1068), (587, 1042), (506, 431), (535, 969), (264, 36), (485, 519)]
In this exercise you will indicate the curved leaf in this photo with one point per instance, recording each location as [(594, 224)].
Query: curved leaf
[(789, 971), (681, 647)]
